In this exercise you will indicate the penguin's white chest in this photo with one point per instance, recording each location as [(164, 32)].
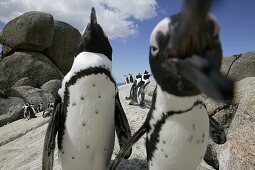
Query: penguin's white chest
[(182, 141), (182, 135), (88, 140)]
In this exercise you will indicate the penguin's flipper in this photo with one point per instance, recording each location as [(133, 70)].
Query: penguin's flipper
[(216, 132), (49, 140), (121, 125), (137, 135)]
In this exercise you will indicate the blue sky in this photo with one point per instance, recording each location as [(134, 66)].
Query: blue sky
[(131, 46)]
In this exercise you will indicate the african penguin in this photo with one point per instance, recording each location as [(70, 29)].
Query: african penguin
[(87, 109), (131, 78), (126, 79), (133, 90), (32, 106), (49, 111), (141, 88), (184, 63), (40, 107), (26, 111)]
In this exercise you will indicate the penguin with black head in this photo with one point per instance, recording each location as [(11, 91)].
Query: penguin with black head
[(87, 110), (185, 57), (126, 79), (130, 78), (142, 85)]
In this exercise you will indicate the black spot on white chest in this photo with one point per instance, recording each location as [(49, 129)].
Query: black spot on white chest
[(172, 129), (90, 112)]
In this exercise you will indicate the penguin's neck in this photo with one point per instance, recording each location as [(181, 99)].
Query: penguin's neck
[(170, 102)]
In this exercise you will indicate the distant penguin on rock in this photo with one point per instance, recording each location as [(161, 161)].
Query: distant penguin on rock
[(26, 114), (185, 57), (32, 106), (133, 90), (140, 89), (87, 109), (126, 79), (49, 111), (28, 111), (131, 78), (40, 107)]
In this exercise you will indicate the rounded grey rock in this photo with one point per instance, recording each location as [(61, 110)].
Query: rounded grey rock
[(64, 45), (32, 30), (36, 66)]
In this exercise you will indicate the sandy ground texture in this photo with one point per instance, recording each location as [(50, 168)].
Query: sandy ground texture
[(21, 142)]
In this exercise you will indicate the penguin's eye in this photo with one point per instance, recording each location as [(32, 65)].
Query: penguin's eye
[(154, 50)]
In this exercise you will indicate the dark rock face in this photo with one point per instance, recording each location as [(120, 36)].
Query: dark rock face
[(211, 154), (10, 109), (52, 86), (237, 67), (64, 45), (6, 50), (32, 95), (35, 66), (31, 31)]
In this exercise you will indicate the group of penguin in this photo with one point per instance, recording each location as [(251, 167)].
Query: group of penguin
[(137, 90), (128, 79), (29, 110), (185, 62)]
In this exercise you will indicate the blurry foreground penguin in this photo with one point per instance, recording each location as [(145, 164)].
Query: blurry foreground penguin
[(87, 109), (185, 57)]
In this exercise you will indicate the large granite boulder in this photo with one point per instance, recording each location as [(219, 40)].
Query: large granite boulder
[(237, 67), (6, 50), (10, 109), (36, 66), (228, 114), (31, 31), (151, 87), (52, 86), (238, 151), (64, 45), (31, 95)]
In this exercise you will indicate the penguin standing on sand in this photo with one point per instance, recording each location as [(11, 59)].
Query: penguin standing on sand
[(87, 109), (185, 57), (126, 79), (131, 80)]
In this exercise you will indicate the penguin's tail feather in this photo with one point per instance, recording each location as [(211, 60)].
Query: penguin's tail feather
[(137, 135)]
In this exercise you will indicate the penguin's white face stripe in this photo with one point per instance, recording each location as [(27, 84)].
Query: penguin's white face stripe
[(162, 27)]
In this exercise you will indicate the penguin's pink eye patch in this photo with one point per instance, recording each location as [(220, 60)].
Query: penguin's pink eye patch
[(162, 27)]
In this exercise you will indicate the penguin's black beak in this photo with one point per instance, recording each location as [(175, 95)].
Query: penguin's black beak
[(205, 77)]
